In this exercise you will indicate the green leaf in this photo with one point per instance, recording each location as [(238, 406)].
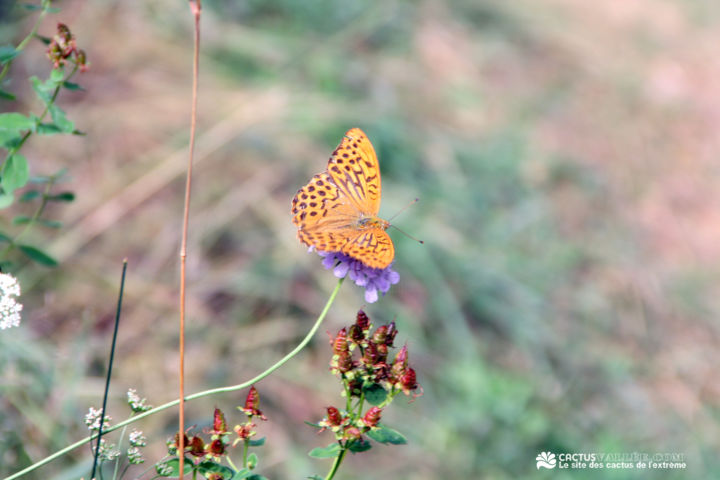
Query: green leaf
[(41, 89), (255, 476), (43, 39), (38, 255), (252, 461), (62, 197), (72, 86), (7, 53), (21, 220), (173, 467), (208, 467), (15, 173), (6, 199), (257, 443), (29, 195), (57, 75), (9, 138), (387, 435), (32, 7), (357, 446), (315, 425), (48, 129), (331, 451), (16, 122), (58, 116), (50, 223), (375, 394), (314, 477), (5, 238), (244, 473), (6, 95)]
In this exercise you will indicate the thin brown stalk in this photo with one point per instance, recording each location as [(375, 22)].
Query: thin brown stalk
[(195, 8)]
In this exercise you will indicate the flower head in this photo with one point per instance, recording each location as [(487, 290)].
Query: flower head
[(374, 280), (9, 307), (92, 419), (136, 403)]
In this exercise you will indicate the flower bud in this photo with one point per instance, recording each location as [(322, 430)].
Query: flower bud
[(344, 362), (340, 344), (252, 402), (408, 381), (333, 417), (216, 448), (370, 355), (352, 433), (362, 321), (196, 447), (372, 417), (219, 424), (380, 335), (392, 332)]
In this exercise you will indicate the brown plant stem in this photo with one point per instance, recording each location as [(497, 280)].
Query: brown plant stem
[(195, 8)]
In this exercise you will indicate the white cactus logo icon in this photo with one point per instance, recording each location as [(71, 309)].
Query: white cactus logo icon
[(546, 460)]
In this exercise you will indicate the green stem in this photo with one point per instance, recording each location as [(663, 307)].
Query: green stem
[(194, 396), (231, 463), (24, 42), (246, 442), (336, 464), (119, 446), (35, 217)]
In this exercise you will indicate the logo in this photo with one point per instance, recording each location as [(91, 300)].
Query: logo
[(546, 460)]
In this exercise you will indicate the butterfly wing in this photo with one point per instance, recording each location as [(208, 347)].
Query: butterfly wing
[(355, 170), (373, 247), (324, 216)]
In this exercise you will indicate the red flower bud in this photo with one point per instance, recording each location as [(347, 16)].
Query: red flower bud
[(382, 350), (380, 334), (196, 447), (356, 334), (252, 402), (344, 362), (362, 321), (372, 417), (186, 441), (408, 381), (216, 448), (333, 417), (392, 332), (245, 431), (340, 344), (352, 433), (370, 356), (219, 424)]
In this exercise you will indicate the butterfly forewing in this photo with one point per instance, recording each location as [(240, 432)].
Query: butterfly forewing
[(355, 169), (331, 211)]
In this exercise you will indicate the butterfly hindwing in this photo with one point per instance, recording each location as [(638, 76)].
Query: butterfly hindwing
[(373, 247)]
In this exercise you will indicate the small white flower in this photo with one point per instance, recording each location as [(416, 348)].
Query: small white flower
[(137, 439), (92, 419), (134, 456), (9, 307), (108, 451), (136, 403)]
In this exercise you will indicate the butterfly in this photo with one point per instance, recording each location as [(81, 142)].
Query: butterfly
[(337, 210)]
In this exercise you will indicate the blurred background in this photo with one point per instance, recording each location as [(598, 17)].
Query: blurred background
[(566, 158)]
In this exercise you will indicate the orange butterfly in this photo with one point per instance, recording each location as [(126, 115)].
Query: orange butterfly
[(337, 210)]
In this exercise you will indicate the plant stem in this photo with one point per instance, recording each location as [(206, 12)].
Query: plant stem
[(246, 442), (336, 464), (194, 396), (24, 42), (195, 8)]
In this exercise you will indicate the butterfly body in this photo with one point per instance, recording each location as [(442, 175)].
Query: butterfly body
[(337, 210)]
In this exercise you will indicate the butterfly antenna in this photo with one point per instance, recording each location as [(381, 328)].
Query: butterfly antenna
[(408, 235), (403, 209), (398, 213)]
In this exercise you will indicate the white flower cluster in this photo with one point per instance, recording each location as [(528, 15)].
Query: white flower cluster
[(136, 403), (9, 307), (108, 451), (135, 456), (92, 419), (137, 439)]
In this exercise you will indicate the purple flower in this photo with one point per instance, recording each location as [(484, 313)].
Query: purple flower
[(374, 280)]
